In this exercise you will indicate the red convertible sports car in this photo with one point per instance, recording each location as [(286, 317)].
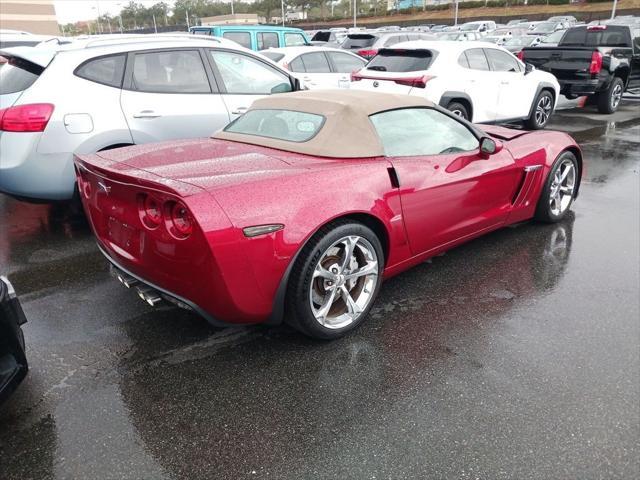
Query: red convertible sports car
[(299, 208)]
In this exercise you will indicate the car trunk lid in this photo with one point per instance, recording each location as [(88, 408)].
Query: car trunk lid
[(24, 66)]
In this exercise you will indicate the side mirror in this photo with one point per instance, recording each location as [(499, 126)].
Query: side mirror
[(528, 68), (295, 84), (489, 146)]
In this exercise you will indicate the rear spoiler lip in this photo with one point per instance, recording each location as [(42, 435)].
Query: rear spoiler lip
[(142, 179), (38, 56)]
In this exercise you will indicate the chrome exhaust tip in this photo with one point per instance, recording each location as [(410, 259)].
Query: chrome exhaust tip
[(149, 295)]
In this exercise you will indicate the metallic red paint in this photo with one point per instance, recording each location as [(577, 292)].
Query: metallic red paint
[(442, 201)]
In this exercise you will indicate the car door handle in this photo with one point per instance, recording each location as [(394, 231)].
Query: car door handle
[(239, 110), (146, 114), (504, 82)]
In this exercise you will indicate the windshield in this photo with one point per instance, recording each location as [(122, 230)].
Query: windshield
[(546, 27), (605, 36), (519, 41), (469, 27), (17, 75), (449, 36), (287, 125), (401, 61), (555, 37), (358, 41), (275, 56)]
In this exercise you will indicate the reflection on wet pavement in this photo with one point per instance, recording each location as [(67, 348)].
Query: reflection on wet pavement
[(514, 356)]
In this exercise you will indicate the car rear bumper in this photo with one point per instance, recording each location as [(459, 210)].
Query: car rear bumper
[(580, 87), (25, 173), (13, 362)]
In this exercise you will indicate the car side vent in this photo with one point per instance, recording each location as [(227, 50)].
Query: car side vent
[(393, 176)]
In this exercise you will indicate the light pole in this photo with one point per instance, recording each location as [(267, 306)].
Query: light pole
[(355, 12), (456, 19), (282, 6), (232, 7), (613, 10)]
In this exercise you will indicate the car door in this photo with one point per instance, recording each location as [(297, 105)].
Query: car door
[(449, 190), (480, 84), (516, 90), (317, 71), (167, 94), (243, 77), (344, 64), (634, 76)]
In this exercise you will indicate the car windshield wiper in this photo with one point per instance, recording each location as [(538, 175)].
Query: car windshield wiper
[(378, 68)]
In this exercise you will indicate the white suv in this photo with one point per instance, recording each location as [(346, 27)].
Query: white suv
[(103, 93), (476, 80)]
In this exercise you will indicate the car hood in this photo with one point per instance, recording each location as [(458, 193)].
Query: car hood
[(208, 163)]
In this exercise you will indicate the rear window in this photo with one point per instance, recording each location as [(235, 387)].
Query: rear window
[(401, 61), (287, 125), (321, 37), (17, 75), (607, 37), (106, 70), (359, 41), (275, 56)]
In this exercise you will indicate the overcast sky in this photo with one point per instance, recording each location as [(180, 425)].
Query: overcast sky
[(70, 11)]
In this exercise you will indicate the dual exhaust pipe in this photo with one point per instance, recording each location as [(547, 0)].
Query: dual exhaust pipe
[(146, 293)]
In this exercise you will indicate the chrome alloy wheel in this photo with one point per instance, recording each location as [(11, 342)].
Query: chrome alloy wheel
[(562, 187), (616, 96), (543, 109), (344, 282)]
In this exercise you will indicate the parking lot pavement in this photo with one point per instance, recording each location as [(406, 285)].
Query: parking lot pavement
[(514, 356)]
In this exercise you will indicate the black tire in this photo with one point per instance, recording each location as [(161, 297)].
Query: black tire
[(459, 109), (541, 111), (298, 312), (608, 100), (544, 211)]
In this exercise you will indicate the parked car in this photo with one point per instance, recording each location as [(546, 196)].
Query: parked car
[(501, 35), (563, 18), (459, 36), (551, 40), (517, 21), (256, 37), (13, 361), (80, 98), (328, 38), (254, 213), (318, 67), (516, 44), (482, 26), (546, 28), (367, 44), (601, 61), (437, 28), (478, 81)]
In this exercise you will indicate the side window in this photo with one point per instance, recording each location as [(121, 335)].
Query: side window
[(636, 41), (501, 61), (477, 59), (177, 71), (294, 39), (267, 40), (296, 65), (315, 63), (242, 74), (106, 70), (243, 38), (462, 60), (345, 63), (421, 131)]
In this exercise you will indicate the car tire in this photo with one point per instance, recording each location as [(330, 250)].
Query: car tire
[(541, 112), (459, 109), (322, 301), (559, 189), (608, 100)]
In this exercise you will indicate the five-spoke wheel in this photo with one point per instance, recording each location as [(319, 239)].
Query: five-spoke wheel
[(559, 189)]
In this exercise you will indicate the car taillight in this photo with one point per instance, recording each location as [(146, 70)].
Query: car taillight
[(418, 82), (285, 65), (520, 55), (85, 185), (368, 53), (596, 63), (180, 220), (592, 28), (26, 118), (150, 211)]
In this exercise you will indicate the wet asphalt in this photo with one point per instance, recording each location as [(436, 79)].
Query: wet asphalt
[(514, 356)]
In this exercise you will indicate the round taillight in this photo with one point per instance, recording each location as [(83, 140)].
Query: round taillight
[(152, 211), (181, 220)]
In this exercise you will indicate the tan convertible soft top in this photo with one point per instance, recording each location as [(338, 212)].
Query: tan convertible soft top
[(347, 131)]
